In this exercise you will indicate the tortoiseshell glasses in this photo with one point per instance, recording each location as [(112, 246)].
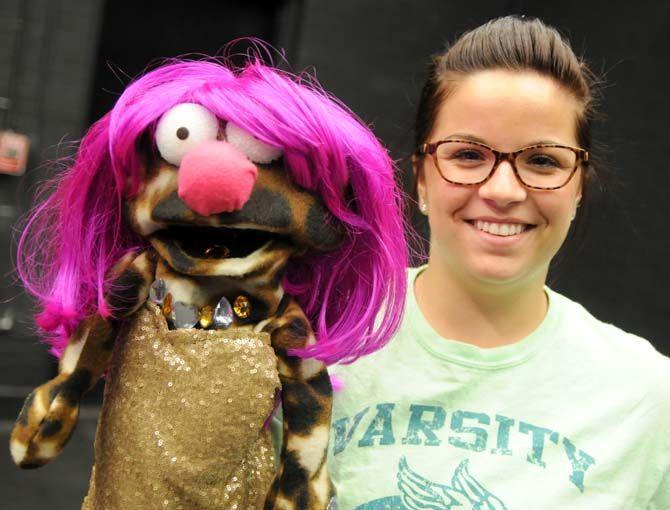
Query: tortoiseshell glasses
[(544, 166)]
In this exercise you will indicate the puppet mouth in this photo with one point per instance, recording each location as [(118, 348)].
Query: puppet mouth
[(215, 243)]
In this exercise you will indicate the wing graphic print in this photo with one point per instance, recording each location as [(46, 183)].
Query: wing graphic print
[(466, 493)]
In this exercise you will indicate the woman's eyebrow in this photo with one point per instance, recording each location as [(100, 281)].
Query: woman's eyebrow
[(466, 136), (474, 138)]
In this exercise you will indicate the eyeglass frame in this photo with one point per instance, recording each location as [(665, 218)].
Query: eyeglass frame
[(431, 148)]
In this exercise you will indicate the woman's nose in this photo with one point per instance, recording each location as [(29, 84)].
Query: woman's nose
[(215, 177), (503, 187)]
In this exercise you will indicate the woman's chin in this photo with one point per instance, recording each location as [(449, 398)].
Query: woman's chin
[(503, 272)]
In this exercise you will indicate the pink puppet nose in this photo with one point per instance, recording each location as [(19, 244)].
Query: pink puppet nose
[(215, 177)]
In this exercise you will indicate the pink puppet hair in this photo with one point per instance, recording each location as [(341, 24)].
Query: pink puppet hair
[(353, 296)]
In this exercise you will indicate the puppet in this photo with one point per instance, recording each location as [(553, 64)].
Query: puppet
[(221, 234)]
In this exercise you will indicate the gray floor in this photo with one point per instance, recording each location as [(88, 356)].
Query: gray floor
[(60, 485)]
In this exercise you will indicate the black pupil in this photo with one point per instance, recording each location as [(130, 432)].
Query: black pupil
[(182, 133)]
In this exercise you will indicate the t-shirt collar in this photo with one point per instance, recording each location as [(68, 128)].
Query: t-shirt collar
[(470, 355)]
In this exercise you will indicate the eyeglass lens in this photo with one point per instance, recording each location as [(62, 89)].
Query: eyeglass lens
[(543, 167)]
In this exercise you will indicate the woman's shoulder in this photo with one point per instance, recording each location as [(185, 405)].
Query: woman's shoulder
[(611, 347)]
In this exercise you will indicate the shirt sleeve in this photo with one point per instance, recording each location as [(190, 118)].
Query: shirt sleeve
[(277, 433), (661, 499)]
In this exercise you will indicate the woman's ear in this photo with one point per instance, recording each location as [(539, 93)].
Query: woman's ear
[(419, 183)]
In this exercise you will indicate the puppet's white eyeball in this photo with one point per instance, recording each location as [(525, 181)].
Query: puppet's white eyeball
[(253, 148), (183, 127)]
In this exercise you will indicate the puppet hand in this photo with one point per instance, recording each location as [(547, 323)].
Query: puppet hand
[(47, 420), (292, 489)]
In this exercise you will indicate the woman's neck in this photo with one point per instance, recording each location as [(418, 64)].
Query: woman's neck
[(480, 313)]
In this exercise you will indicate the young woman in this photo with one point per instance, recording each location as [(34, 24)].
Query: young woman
[(497, 392)]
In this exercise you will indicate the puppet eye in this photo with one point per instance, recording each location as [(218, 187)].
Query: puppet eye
[(183, 127), (253, 148)]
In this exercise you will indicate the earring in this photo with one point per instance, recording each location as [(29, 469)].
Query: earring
[(574, 211), (423, 207)]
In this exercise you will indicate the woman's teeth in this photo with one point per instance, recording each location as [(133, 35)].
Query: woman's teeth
[(500, 229)]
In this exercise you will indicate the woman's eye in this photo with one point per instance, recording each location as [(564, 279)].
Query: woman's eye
[(543, 161), (468, 155), (183, 127), (254, 149)]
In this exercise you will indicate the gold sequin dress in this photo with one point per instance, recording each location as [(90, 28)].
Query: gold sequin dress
[(181, 425)]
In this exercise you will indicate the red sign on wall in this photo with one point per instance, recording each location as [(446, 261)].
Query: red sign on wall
[(13, 152)]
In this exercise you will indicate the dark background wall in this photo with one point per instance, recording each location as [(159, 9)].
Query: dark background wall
[(47, 55), (63, 63)]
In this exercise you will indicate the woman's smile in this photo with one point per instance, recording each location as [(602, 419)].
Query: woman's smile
[(500, 234)]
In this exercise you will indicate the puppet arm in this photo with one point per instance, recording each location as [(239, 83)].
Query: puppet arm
[(50, 412), (302, 480)]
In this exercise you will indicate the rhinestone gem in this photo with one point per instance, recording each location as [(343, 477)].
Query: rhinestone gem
[(157, 291), (242, 307), (217, 252), (223, 314), (332, 504), (206, 316), (167, 305), (184, 315)]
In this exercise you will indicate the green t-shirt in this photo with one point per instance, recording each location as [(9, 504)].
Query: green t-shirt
[(575, 416)]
